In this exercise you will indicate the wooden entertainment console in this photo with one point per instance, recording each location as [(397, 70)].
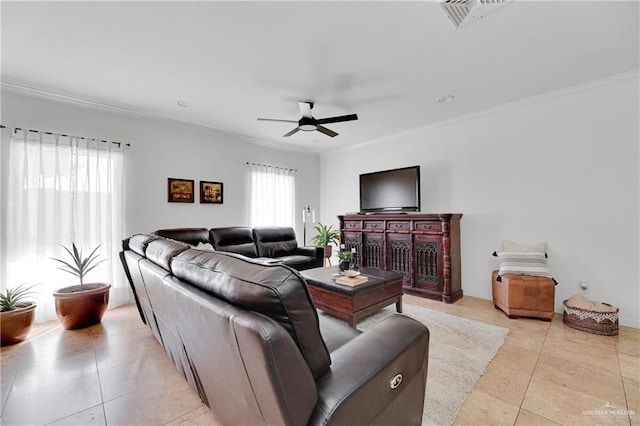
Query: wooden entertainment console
[(424, 248)]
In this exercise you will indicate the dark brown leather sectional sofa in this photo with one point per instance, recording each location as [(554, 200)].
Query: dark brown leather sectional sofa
[(267, 243), (247, 338)]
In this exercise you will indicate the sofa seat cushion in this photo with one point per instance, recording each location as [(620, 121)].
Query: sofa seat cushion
[(235, 239), (276, 291), (335, 333), (266, 261), (297, 261)]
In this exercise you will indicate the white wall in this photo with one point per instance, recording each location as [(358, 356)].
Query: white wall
[(161, 149), (563, 168)]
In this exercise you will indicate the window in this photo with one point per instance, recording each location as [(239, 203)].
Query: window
[(272, 196), (63, 190)]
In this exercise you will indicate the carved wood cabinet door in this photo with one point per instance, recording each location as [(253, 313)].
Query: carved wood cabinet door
[(353, 239), (428, 261), (399, 255), (373, 250)]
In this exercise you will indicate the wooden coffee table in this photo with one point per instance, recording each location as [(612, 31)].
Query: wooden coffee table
[(353, 303)]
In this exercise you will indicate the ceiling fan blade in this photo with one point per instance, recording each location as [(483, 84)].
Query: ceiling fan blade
[(277, 119), (305, 108), (338, 119), (326, 131), (286, 135)]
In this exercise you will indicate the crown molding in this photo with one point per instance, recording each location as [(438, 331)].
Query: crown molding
[(90, 103), (61, 97)]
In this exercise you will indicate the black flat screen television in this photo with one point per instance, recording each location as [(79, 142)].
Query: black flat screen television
[(389, 191)]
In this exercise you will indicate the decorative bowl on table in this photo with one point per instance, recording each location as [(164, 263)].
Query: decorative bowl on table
[(351, 273)]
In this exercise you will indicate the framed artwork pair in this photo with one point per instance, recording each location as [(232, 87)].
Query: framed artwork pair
[(182, 191)]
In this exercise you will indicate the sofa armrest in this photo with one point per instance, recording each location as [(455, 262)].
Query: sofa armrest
[(316, 252), (360, 387)]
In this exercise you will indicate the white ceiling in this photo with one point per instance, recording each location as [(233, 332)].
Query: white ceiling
[(237, 61)]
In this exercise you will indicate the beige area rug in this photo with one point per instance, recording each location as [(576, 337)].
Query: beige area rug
[(459, 351)]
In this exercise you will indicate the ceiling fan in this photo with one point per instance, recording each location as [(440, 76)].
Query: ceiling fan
[(308, 123)]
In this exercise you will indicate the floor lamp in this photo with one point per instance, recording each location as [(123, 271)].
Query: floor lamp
[(308, 216)]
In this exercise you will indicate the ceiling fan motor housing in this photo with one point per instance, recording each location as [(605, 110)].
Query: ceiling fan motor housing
[(307, 124)]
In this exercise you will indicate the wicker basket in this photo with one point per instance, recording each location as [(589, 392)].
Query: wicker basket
[(602, 323)]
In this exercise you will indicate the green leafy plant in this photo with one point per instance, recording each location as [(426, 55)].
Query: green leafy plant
[(345, 256), (80, 266), (15, 297), (325, 235)]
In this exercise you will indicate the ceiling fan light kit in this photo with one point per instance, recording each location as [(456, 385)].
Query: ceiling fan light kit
[(462, 12), (308, 123)]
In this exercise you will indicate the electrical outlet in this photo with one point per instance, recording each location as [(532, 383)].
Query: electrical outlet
[(583, 287)]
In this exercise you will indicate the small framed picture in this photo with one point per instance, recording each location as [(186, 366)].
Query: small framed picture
[(210, 192), (180, 190)]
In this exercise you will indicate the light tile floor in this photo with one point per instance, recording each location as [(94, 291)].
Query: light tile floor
[(116, 373)]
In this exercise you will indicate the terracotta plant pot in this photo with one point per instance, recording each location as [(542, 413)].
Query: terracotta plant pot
[(16, 324), (81, 308)]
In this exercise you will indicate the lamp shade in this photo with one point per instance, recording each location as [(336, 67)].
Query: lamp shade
[(308, 215)]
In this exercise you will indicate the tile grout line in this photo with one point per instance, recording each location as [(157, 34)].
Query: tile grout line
[(13, 381), (95, 357), (624, 388), (533, 372), (4, 403), (99, 385)]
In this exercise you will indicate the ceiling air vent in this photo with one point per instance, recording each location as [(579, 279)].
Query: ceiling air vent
[(463, 12)]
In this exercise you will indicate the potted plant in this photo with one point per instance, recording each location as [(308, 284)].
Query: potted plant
[(16, 314), (325, 235), (81, 305), (345, 258)]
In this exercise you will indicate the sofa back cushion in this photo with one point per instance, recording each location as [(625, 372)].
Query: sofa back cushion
[(275, 241), (161, 251), (235, 239), (138, 243), (192, 236), (275, 291)]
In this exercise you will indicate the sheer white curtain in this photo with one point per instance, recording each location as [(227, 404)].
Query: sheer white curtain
[(63, 190), (272, 196)]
